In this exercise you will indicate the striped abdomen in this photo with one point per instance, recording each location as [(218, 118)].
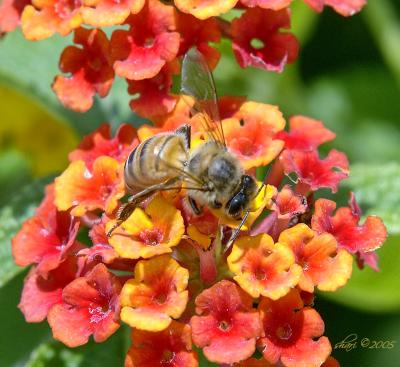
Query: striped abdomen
[(155, 160)]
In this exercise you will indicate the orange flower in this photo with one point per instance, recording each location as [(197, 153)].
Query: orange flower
[(156, 295), (148, 232), (323, 264), (262, 267), (45, 17), (169, 348), (106, 13), (203, 9), (82, 190), (250, 133)]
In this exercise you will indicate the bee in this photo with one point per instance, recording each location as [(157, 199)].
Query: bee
[(212, 175)]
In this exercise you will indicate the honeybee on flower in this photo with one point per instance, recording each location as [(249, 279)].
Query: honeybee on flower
[(212, 175)]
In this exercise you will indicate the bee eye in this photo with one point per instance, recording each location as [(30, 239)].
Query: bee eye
[(235, 206), (217, 204)]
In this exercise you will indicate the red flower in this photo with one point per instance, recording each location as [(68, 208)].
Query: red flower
[(151, 41), (100, 143), (292, 333), (343, 7), (40, 294), (275, 49), (344, 226), (47, 238), (305, 134), (153, 96), (83, 190), (89, 67), (171, 347), (288, 204), (228, 325), (316, 173), (89, 308), (10, 14), (199, 33)]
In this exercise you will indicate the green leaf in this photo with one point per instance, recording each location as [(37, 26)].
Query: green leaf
[(33, 79), (17, 338), (377, 189), (203, 361), (373, 291), (20, 207), (54, 354)]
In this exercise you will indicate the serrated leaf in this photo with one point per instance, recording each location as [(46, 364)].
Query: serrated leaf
[(20, 207), (377, 189), (374, 291)]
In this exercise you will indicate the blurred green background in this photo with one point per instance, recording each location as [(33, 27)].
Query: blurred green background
[(348, 75)]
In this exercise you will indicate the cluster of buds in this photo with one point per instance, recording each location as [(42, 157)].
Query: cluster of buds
[(148, 40), (171, 276)]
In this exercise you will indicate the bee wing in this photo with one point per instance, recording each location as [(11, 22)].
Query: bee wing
[(198, 82)]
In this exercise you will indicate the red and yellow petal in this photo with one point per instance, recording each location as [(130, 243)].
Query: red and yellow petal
[(42, 19), (250, 134), (150, 232), (262, 267), (82, 190), (322, 263), (156, 295), (203, 9)]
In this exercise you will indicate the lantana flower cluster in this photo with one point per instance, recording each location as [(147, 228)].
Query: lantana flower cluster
[(148, 38), (172, 276)]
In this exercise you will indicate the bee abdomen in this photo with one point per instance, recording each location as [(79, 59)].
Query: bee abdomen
[(154, 161)]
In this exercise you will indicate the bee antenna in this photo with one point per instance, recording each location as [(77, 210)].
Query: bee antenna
[(264, 183)]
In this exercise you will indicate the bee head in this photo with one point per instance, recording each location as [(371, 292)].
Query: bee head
[(242, 198)]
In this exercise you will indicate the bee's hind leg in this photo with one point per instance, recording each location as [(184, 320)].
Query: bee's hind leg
[(125, 210)]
